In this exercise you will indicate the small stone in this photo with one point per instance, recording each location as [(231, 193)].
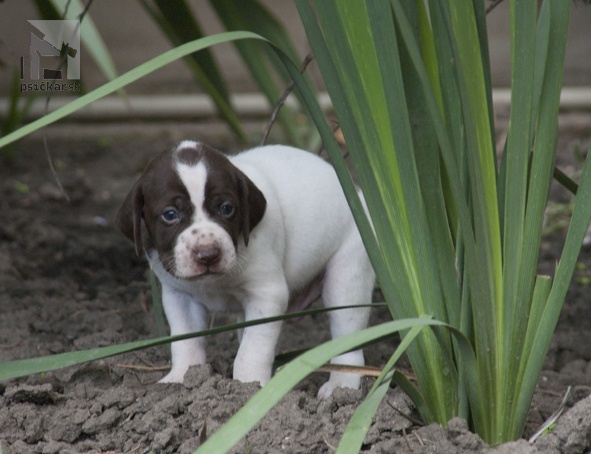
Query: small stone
[(101, 422), (163, 438), (119, 397)]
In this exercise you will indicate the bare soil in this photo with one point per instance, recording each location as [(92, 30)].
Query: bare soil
[(70, 281)]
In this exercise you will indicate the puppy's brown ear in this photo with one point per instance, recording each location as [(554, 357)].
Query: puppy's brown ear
[(129, 217), (252, 205)]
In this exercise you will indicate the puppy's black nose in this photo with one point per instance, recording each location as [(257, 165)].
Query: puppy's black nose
[(208, 255)]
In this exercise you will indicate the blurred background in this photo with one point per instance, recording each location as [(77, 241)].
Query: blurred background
[(132, 35)]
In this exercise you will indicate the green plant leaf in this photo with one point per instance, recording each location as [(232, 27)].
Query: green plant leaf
[(384, 164), (30, 366), (361, 420), (456, 235), (284, 380)]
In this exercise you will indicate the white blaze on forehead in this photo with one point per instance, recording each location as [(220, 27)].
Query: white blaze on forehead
[(203, 231), (187, 144), (194, 178)]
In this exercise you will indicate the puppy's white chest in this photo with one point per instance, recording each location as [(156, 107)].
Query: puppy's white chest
[(216, 293)]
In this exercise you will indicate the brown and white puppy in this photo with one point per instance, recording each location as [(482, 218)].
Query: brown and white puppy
[(259, 233)]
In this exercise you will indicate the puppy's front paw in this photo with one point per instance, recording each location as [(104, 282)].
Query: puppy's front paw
[(247, 370), (250, 375), (176, 375), (339, 380)]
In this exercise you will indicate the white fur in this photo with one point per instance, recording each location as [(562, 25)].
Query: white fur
[(307, 228)]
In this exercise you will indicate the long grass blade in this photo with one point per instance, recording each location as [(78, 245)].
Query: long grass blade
[(290, 375), (338, 97), (457, 307), (383, 160), (549, 318), (425, 96), (546, 130), (361, 420), (30, 366), (518, 282), (486, 282), (124, 80)]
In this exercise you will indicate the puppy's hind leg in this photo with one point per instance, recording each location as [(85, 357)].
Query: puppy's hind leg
[(349, 280)]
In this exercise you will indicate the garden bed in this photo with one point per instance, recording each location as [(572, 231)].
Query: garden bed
[(70, 281)]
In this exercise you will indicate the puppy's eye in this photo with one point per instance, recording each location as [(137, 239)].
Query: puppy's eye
[(227, 210), (170, 216)]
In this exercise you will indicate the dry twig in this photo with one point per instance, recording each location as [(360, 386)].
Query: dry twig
[(493, 5), (283, 98)]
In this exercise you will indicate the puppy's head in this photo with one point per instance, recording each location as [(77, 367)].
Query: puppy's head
[(195, 205)]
